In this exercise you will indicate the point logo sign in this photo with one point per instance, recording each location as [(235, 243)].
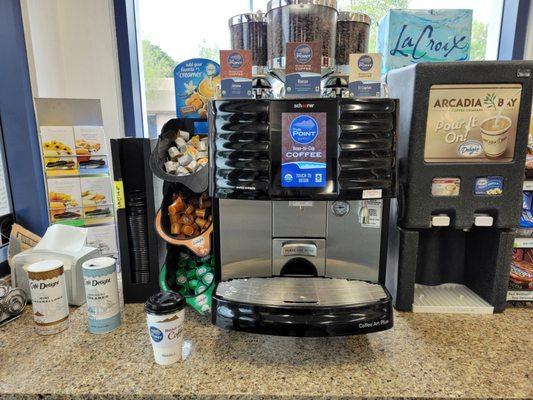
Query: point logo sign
[(156, 334), (235, 60), (365, 63), (303, 53), (303, 129)]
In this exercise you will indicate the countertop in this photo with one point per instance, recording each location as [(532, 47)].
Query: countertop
[(424, 355)]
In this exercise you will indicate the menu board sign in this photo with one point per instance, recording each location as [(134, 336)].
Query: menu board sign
[(303, 149), (472, 123)]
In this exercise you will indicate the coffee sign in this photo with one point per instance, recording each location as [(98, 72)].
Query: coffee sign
[(472, 123), (303, 69)]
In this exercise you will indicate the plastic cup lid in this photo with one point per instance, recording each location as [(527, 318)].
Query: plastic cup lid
[(45, 266), (164, 303), (99, 263)]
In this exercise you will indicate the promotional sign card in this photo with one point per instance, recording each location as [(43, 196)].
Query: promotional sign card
[(195, 83), (90, 140), (302, 69), (58, 150), (96, 197), (64, 196), (236, 73), (103, 238), (95, 191), (472, 123), (365, 75)]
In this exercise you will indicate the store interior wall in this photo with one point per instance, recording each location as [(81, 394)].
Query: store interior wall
[(72, 53)]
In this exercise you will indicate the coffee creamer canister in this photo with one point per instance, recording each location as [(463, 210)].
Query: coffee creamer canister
[(48, 296), (101, 292)]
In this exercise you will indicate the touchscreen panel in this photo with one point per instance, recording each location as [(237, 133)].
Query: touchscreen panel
[(303, 150)]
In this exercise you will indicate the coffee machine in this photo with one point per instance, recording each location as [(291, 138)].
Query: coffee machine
[(301, 191)]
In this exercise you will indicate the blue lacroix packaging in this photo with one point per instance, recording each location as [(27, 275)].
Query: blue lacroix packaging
[(236, 73), (195, 83), (488, 186), (412, 36), (302, 69)]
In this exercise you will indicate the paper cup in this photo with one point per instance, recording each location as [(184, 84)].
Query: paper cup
[(165, 317)]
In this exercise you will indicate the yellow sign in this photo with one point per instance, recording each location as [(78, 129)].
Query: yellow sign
[(119, 195)]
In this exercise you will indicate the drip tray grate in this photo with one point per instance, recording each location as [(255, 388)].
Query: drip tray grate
[(449, 298), (292, 291)]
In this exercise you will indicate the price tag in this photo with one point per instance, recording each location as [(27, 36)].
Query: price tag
[(119, 195)]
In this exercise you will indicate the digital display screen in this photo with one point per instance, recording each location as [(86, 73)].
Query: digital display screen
[(303, 150)]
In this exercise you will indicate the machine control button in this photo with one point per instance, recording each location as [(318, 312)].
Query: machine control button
[(483, 220), (340, 208), (299, 249), (440, 220)]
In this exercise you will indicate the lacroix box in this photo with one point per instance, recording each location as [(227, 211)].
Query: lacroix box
[(236, 73), (412, 36)]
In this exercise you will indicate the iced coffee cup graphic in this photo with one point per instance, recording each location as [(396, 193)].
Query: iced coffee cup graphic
[(495, 135)]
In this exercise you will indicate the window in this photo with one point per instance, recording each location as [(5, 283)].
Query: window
[(172, 31)]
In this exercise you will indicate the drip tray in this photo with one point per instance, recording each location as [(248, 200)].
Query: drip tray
[(298, 306), (449, 298)]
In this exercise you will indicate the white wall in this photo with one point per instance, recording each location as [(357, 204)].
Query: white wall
[(72, 53)]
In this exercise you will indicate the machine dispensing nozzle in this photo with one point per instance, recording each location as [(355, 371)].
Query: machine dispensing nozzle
[(440, 220), (483, 220)]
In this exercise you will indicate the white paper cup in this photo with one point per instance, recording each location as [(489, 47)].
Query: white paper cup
[(165, 317)]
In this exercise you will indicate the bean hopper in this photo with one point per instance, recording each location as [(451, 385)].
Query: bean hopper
[(462, 143)]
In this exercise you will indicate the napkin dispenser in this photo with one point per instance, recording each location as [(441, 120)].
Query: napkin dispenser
[(60, 242)]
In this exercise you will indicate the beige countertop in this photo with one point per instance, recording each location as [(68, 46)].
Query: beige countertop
[(424, 355)]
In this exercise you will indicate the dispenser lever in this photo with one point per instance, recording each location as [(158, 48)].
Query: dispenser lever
[(440, 220), (483, 220)]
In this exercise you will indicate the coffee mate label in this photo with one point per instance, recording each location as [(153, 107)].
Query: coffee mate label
[(50, 303), (302, 69), (472, 123)]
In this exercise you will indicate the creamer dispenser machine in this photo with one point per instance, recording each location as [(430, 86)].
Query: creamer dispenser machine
[(461, 148), (299, 187)]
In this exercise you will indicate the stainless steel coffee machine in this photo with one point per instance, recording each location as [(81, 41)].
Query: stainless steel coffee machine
[(301, 190)]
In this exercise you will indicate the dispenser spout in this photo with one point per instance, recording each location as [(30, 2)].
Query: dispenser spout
[(440, 220), (483, 220)]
